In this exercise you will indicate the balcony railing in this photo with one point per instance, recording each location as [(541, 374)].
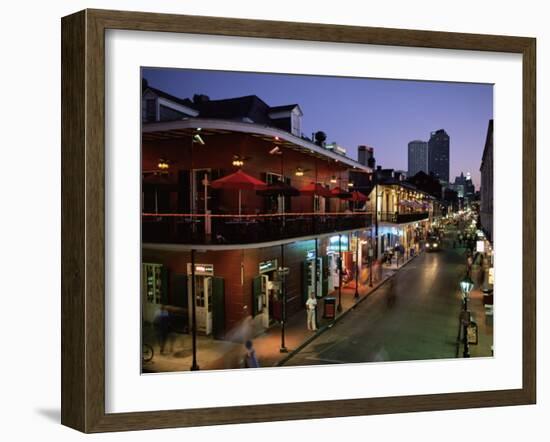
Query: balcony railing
[(401, 218), (245, 229)]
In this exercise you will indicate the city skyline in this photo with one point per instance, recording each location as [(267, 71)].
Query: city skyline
[(385, 114), (417, 157)]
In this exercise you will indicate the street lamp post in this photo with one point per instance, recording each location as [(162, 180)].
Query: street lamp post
[(371, 255), (282, 271), (375, 215), (466, 285), (195, 138), (374, 255)]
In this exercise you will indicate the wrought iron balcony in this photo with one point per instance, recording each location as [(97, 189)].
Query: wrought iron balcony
[(402, 218), (245, 229)]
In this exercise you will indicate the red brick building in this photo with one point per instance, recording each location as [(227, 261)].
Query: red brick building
[(238, 242)]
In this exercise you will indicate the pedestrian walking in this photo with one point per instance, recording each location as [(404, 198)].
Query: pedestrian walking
[(250, 359), (162, 327), (311, 309), (469, 262)]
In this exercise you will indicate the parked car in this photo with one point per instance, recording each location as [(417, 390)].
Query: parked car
[(433, 244)]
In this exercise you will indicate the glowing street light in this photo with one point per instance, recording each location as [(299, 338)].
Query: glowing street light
[(466, 286), (163, 164)]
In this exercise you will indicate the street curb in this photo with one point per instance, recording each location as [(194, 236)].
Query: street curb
[(323, 329)]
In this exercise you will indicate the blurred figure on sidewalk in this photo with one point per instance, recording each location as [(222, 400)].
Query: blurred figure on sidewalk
[(250, 359), (162, 327), (311, 309)]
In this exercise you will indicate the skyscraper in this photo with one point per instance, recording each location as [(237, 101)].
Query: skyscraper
[(418, 157), (438, 155), (486, 169)]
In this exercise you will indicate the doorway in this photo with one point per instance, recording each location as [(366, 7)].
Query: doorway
[(209, 300), (314, 276), (203, 303), (265, 291), (333, 280)]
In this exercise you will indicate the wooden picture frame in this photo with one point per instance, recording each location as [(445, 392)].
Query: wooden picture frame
[(83, 220)]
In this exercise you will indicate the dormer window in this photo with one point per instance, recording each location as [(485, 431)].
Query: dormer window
[(288, 118), (296, 123)]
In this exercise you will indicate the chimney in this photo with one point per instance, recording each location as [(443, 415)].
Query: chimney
[(200, 98)]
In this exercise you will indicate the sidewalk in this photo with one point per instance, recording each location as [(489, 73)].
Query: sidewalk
[(217, 354), (484, 321)]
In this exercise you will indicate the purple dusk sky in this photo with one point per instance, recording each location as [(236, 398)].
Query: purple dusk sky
[(385, 114)]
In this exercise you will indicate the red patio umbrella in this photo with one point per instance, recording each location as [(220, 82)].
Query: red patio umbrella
[(315, 189), (340, 193), (357, 196), (240, 181), (278, 188)]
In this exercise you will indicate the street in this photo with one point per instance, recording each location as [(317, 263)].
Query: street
[(413, 316)]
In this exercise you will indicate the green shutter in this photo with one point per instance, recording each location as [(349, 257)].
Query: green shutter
[(256, 294), (324, 285), (179, 292), (218, 308), (304, 281), (164, 285)]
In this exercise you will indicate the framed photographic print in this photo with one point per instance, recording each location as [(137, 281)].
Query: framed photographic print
[(266, 221)]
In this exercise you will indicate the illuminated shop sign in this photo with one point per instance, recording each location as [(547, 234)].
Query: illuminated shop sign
[(201, 269), (311, 254), (384, 230), (268, 266), (335, 241), (480, 246)]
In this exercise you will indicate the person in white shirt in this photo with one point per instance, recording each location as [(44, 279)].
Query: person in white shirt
[(311, 308)]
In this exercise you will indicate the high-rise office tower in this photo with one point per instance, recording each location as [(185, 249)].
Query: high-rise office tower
[(417, 157), (438, 155)]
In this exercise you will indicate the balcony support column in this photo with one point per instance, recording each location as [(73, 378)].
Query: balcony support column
[(283, 348), (315, 282), (194, 365), (339, 307), (356, 295)]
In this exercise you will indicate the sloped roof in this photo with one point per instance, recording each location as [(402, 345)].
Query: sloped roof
[(183, 101), (238, 108), (249, 106), (287, 107)]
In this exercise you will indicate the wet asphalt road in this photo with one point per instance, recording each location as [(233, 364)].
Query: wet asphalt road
[(412, 316)]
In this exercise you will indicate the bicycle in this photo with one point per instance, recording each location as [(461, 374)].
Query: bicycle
[(147, 353)]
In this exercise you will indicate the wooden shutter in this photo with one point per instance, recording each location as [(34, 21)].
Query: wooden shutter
[(218, 308), (256, 294), (164, 286), (324, 284), (179, 298), (180, 291), (305, 281)]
